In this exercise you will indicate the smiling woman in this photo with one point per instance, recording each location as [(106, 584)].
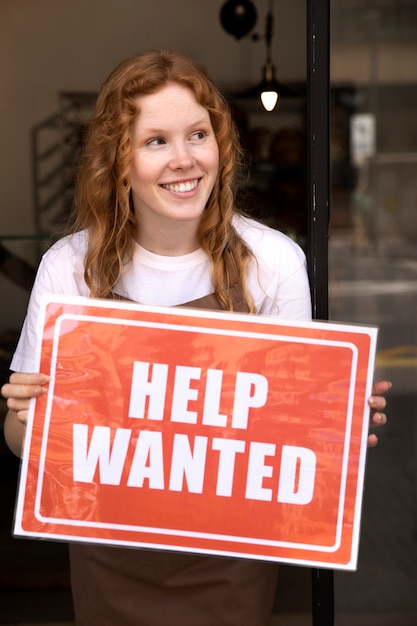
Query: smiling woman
[(156, 222)]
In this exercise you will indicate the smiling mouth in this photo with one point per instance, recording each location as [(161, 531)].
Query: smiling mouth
[(189, 185)]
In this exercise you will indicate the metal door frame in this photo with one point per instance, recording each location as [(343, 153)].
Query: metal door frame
[(318, 203)]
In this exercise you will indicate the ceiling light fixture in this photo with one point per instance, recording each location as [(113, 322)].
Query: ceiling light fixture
[(269, 88), (238, 17)]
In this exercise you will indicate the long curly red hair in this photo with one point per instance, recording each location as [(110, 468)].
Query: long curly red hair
[(103, 202)]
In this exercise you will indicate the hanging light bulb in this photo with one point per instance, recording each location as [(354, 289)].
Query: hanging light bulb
[(269, 86), (238, 18), (269, 100)]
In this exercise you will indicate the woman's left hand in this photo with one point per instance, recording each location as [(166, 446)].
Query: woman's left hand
[(377, 403)]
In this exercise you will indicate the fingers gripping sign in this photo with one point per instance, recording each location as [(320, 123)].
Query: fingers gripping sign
[(378, 403)]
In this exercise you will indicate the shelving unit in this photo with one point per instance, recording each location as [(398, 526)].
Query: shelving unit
[(56, 142)]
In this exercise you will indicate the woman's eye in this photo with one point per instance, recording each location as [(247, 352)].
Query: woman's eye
[(157, 141), (199, 135)]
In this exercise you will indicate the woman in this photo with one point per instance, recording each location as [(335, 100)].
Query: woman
[(156, 222)]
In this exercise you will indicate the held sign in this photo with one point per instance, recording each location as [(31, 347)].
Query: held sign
[(198, 431)]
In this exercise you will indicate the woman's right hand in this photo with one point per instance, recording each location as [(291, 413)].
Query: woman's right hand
[(20, 389)]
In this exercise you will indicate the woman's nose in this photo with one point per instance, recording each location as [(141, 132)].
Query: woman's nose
[(181, 157)]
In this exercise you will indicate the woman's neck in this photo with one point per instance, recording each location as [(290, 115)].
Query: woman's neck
[(173, 241)]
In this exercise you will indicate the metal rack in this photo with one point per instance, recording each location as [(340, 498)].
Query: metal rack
[(56, 142)]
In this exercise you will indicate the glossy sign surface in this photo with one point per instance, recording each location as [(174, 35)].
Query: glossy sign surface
[(199, 431)]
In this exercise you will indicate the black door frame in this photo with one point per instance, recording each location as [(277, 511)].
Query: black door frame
[(318, 203)]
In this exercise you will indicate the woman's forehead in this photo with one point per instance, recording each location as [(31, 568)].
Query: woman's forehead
[(169, 103)]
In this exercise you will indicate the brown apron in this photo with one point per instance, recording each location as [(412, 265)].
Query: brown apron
[(115, 586)]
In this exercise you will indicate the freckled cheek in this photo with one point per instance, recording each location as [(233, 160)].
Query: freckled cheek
[(143, 171)]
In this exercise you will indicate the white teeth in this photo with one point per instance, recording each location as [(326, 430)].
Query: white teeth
[(182, 187)]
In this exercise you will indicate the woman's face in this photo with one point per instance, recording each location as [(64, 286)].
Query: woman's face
[(175, 159)]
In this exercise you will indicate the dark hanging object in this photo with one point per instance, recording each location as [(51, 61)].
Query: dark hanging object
[(238, 17)]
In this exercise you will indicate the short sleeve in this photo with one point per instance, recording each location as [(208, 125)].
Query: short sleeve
[(60, 272)]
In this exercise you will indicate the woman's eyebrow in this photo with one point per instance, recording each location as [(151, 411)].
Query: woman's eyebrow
[(159, 130)]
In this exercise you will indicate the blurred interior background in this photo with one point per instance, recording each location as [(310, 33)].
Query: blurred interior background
[(53, 58)]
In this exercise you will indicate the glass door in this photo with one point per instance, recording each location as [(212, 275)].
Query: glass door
[(373, 280)]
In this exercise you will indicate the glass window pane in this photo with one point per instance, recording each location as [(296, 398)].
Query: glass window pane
[(373, 280)]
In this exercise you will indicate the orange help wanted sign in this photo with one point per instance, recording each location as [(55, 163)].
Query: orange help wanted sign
[(198, 431)]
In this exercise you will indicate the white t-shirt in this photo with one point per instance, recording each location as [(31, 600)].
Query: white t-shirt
[(277, 280)]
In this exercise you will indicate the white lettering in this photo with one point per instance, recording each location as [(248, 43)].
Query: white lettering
[(297, 475), (148, 448), (148, 395), (183, 393), (251, 391), (228, 449), (154, 389), (86, 458), (257, 470), (103, 457), (188, 465), (211, 415)]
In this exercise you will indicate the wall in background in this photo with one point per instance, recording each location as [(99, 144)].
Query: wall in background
[(47, 46)]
